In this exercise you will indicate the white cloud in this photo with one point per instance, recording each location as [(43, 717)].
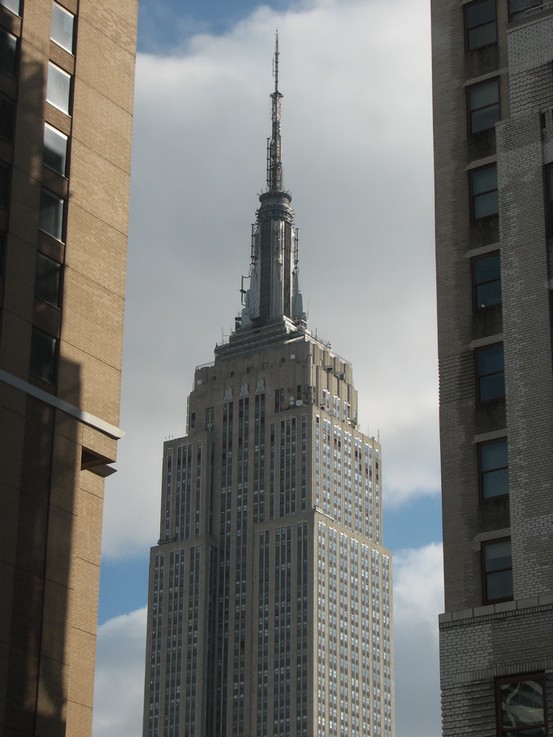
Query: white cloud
[(418, 599), (357, 158), (119, 683)]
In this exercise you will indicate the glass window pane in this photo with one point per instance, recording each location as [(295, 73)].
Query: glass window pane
[(13, 5), (485, 118), (51, 214), (482, 36), (500, 585), (522, 704), (482, 95), (490, 360), (47, 280), (493, 455), (492, 387), (7, 117), (480, 12), (480, 23), (59, 88), (62, 27), (43, 356), (486, 274), (517, 7), (487, 268), (55, 149), (485, 205), (488, 294), (495, 483), (8, 53), (4, 185), (484, 180), (497, 555), (483, 186)]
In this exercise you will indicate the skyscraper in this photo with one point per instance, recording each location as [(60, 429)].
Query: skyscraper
[(493, 118), (66, 97), (270, 602)]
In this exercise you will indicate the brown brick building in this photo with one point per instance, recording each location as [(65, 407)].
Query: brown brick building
[(493, 119), (66, 97)]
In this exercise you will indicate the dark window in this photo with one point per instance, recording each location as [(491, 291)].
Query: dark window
[(480, 24), (490, 372), (521, 706), (7, 117), (483, 105), (498, 570), (2, 255), (8, 53), (494, 468), (13, 5), (279, 400), (47, 280), (43, 356), (483, 192), (519, 7), (486, 280), (549, 198), (4, 185), (51, 214), (55, 149)]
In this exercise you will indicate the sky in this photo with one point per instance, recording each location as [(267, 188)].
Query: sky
[(357, 153)]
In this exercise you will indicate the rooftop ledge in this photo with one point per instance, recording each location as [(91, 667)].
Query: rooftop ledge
[(500, 607)]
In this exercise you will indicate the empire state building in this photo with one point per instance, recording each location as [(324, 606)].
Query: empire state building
[(270, 601)]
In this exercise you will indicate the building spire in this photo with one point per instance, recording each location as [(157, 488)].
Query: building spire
[(274, 291), (274, 144)]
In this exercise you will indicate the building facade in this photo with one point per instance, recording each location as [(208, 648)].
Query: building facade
[(66, 99), (493, 118), (270, 600)]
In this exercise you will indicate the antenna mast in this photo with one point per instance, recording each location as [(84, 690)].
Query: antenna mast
[(274, 146)]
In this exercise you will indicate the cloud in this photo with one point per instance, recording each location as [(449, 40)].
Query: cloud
[(418, 599), (357, 159), (119, 683)]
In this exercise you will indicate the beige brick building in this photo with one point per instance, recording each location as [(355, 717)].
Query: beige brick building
[(270, 601), (493, 118), (66, 96)]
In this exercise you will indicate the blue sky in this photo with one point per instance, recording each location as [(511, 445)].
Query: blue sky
[(358, 163)]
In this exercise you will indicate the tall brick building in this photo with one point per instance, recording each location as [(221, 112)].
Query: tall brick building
[(270, 602), (66, 98), (493, 118)]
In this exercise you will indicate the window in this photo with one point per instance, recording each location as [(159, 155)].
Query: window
[(517, 8), (7, 117), (486, 280), (494, 468), (483, 105), (59, 88), (55, 149), (43, 356), (62, 27), (490, 372), (51, 214), (8, 53), (13, 5), (549, 198), (498, 570), (2, 256), (521, 706), (47, 280), (480, 24), (4, 185), (483, 192)]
